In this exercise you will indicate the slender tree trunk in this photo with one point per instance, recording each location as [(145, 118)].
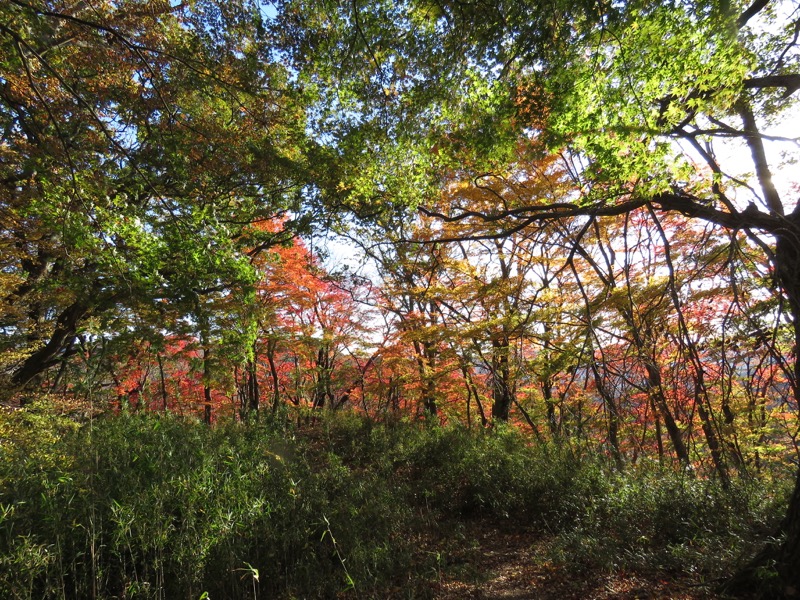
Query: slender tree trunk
[(272, 346), (204, 344), (757, 420), (472, 392), (323, 394), (253, 390), (426, 362), (62, 370), (206, 384), (393, 396), (550, 406), (162, 382), (612, 415), (656, 391), (713, 442), (732, 442), (657, 423)]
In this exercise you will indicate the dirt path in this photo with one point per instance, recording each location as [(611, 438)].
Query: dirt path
[(488, 562)]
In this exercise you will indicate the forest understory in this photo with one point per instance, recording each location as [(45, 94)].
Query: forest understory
[(490, 560), (337, 505)]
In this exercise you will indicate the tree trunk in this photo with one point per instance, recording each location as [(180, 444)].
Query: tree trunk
[(713, 442), (206, 384), (659, 438), (426, 355), (251, 395), (472, 392), (64, 332), (502, 395), (162, 382), (612, 414), (272, 347), (787, 264), (656, 391), (323, 394), (788, 561), (253, 390), (784, 556), (550, 406)]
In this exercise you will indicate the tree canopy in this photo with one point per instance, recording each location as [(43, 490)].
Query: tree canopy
[(572, 213), (141, 142)]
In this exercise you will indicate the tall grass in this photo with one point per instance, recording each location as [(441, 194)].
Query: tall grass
[(163, 507)]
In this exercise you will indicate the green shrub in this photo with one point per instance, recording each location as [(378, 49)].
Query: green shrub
[(498, 474), (660, 520), (157, 506)]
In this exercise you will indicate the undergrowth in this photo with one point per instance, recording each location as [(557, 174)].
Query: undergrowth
[(156, 506)]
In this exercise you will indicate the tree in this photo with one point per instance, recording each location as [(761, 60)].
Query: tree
[(496, 282), (410, 294), (311, 329), (637, 96), (140, 141), (627, 143)]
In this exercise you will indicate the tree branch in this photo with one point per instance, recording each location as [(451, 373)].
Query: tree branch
[(677, 201), (751, 11), (790, 81), (759, 155)]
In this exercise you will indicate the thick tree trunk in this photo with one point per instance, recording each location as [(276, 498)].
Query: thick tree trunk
[(92, 302), (787, 263), (502, 394), (784, 556), (788, 560), (64, 332)]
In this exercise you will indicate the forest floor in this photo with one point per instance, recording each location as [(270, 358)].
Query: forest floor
[(491, 561)]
